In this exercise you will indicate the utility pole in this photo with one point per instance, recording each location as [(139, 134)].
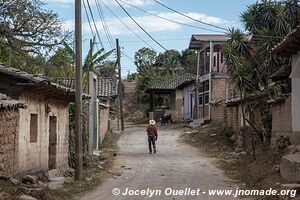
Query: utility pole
[(120, 92), (78, 94)]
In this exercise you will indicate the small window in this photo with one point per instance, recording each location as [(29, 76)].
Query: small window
[(215, 61), (33, 128), (200, 99), (222, 57), (206, 98)]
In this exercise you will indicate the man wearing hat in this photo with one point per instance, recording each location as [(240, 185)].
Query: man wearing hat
[(152, 135)]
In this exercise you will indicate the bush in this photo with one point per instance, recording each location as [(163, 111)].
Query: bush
[(221, 129), (282, 143)]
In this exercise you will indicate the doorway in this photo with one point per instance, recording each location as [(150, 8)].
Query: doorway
[(192, 105), (52, 142)]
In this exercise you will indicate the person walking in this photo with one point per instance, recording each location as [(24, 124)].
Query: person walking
[(152, 135)]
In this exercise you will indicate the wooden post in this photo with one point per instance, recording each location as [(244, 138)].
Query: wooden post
[(78, 95), (120, 85)]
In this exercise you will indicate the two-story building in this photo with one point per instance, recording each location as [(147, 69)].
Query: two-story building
[(213, 86)]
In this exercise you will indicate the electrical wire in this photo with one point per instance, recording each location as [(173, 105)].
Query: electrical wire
[(104, 25), (89, 21), (140, 25), (182, 14), (126, 25), (170, 20), (92, 16)]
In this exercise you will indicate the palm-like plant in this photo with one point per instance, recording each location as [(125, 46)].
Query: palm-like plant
[(268, 21)]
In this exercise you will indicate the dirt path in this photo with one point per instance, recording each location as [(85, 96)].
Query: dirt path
[(176, 165)]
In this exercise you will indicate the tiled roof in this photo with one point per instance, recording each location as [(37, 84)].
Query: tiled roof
[(289, 45), (24, 79), (107, 87), (11, 104), (174, 83)]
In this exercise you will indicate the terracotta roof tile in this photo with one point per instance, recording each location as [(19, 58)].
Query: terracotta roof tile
[(174, 83)]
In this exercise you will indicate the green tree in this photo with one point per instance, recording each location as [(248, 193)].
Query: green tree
[(251, 62), (144, 58), (189, 61), (26, 29), (62, 63)]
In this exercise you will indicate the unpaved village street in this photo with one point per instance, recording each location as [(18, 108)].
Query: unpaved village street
[(176, 165)]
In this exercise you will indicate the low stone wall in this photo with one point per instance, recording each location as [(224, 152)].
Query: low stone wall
[(9, 125)]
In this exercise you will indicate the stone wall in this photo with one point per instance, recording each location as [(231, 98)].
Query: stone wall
[(9, 125), (34, 156), (104, 122)]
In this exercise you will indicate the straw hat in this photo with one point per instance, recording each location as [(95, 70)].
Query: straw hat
[(152, 122)]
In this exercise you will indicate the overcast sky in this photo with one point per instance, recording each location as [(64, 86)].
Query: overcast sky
[(224, 13)]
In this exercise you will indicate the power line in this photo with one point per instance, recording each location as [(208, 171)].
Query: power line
[(98, 35), (171, 39), (170, 20), (140, 25), (178, 58), (126, 25), (128, 57), (180, 13), (88, 18), (105, 28)]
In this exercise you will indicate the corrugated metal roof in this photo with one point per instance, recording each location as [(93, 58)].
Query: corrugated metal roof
[(198, 41), (208, 37), (174, 83)]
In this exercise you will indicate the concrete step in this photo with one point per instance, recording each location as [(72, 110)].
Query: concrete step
[(196, 123), (290, 167)]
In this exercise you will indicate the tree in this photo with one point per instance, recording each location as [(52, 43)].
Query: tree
[(251, 63), (189, 61), (61, 64), (26, 27), (144, 58)]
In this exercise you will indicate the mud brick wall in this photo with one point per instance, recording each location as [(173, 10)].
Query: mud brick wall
[(103, 122), (9, 125), (282, 118), (282, 121), (229, 115)]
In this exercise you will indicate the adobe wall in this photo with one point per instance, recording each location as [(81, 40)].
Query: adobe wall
[(103, 122), (9, 127), (33, 157)]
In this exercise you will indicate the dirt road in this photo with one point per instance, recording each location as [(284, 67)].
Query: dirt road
[(176, 165)]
